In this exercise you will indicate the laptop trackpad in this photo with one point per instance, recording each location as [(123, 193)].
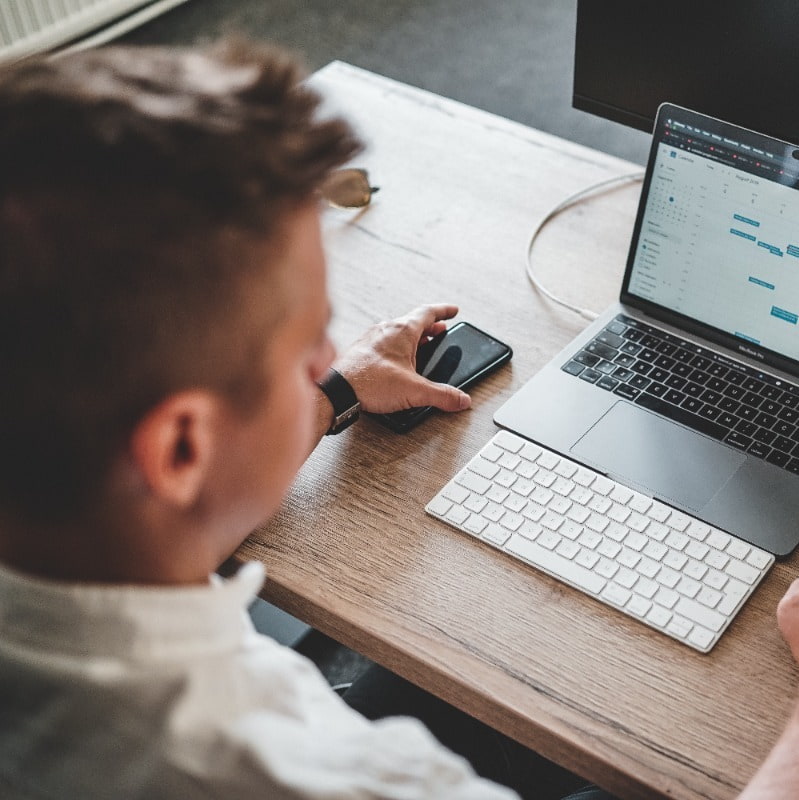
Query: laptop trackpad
[(658, 457)]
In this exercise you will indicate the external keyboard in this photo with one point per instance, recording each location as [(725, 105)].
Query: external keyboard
[(665, 568), (730, 401)]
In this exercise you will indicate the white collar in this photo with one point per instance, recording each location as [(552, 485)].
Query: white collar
[(126, 621)]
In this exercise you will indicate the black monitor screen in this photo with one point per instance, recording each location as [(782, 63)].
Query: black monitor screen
[(737, 60)]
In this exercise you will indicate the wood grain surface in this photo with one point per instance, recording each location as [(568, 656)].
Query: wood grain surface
[(353, 552)]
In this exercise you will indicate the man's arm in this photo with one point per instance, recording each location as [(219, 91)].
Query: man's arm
[(381, 367), (778, 777)]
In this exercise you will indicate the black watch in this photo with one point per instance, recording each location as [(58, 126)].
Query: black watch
[(346, 406)]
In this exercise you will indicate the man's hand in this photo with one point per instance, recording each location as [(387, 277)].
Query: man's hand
[(381, 365), (788, 618), (778, 776)]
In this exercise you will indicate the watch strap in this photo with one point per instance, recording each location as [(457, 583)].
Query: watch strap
[(346, 407)]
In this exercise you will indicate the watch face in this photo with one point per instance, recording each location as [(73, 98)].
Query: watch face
[(345, 419)]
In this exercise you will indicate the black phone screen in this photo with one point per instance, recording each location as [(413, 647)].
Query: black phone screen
[(460, 356)]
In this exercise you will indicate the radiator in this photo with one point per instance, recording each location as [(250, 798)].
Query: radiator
[(33, 26)]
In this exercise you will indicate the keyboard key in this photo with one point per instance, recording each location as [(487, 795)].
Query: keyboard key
[(529, 451), (716, 559), (759, 450), (647, 588), (678, 521), (567, 548), (606, 568), (473, 482), (758, 559), (455, 493), (666, 597), (640, 503), (497, 493), (679, 626), (718, 539), (439, 505), (778, 458), (611, 339), (696, 612), (696, 550), (621, 494), (616, 594), (530, 530), (475, 503), (735, 377), (493, 512), (617, 327), (659, 512), (659, 616), (698, 530), (737, 440), (709, 597), (509, 460), (513, 502), (700, 638), (495, 534), (738, 549), (604, 351), (741, 571), (457, 515), (626, 391), (639, 606), (514, 444), (475, 524), (485, 468)]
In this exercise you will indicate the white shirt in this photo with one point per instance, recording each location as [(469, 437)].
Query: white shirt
[(151, 692)]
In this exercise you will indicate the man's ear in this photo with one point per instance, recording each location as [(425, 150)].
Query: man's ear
[(173, 444)]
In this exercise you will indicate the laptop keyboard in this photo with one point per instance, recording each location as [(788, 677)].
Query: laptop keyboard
[(658, 565), (753, 412)]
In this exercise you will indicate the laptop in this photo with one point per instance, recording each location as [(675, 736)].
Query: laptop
[(687, 388)]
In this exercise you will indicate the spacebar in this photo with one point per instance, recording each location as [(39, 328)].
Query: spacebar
[(682, 416), (555, 564)]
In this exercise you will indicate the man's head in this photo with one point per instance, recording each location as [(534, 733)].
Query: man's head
[(147, 196)]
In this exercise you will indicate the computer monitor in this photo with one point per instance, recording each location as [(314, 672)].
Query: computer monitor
[(736, 60)]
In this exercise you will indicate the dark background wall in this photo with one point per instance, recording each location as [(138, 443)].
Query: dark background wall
[(511, 57)]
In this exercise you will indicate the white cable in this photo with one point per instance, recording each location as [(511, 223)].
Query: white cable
[(585, 313), (125, 25)]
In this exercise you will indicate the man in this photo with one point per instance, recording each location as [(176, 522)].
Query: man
[(163, 344), (164, 331)]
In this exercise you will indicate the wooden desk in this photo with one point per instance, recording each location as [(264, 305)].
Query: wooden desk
[(353, 552)]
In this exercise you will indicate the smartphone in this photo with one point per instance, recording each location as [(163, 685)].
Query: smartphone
[(460, 356)]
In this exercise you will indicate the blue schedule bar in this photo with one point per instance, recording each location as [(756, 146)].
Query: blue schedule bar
[(741, 218), (747, 338), (743, 235), (781, 313), (792, 250), (771, 248), (765, 284)]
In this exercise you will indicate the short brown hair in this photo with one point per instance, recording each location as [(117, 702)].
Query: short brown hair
[(132, 183)]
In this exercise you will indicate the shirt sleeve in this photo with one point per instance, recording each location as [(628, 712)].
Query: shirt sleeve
[(283, 734), (392, 759)]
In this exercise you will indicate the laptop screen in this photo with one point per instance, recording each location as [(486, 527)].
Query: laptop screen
[(717, 235)]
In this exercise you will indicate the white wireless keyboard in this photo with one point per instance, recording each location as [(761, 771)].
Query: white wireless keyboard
[(665, 568)]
